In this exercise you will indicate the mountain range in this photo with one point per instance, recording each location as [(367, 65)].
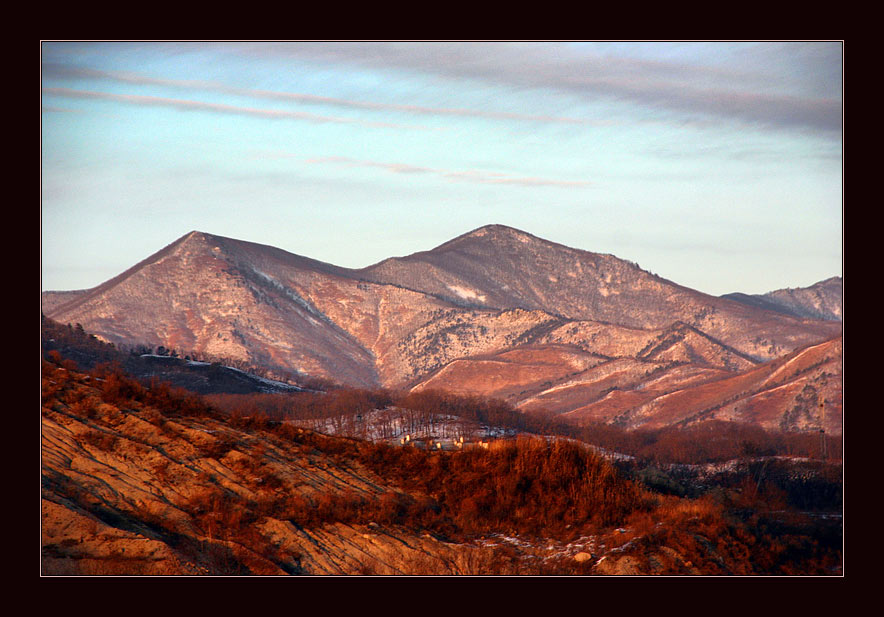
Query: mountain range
[(494, 312)]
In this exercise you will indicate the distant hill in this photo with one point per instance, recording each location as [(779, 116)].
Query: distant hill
[(823, 300)]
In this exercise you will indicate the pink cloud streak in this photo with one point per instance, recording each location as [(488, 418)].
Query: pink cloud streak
[(57, 71), (190, 105), (460, 176)]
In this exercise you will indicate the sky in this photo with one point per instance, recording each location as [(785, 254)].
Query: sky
[(716, 165)]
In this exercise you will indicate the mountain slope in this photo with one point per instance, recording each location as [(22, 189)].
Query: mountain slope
[(141, 483), (493, 305), (130, 489), (573, 364), (219, 297), (500, 267), (87, 353), (784, 394), (822, 300)]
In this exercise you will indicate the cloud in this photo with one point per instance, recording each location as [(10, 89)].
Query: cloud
[(62, 71), (763, 155), (481, 177), (190, 105), (715, 91), (54, 109), (53, 70), (781, 111)]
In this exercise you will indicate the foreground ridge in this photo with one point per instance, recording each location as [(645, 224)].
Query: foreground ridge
[(148, 481)]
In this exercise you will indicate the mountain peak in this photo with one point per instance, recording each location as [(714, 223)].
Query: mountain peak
[(496, 230), (494, 234), (187, 243), (493, 228), (195, 237)]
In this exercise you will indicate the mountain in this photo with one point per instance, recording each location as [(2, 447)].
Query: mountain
[(223, 298), (783, 394), (51, 299), (496, 311), (501, 267), (822, 300)]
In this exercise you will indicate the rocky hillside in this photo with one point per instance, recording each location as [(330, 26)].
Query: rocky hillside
[(798, 392), (505, 268), (138, 488), (139, 481), (672, 377), (203, 377), (495, 298), (823, 300)]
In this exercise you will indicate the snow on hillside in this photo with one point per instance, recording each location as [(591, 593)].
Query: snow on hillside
[(270, 385), (399, 426), (394, 424)]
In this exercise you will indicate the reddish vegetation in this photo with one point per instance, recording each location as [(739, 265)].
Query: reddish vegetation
[(531, 487), (709, 442), (706, 442), (527, 486)]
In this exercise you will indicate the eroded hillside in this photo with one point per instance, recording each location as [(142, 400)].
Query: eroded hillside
[(142, 480), (130, 490)]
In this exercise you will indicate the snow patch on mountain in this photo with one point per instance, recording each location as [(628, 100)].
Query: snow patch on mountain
[(466, 293)]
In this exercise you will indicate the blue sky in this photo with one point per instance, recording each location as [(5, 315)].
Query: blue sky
[(716, 165)]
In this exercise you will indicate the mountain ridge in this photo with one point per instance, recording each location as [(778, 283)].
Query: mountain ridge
[(822, 300), (399, 322)]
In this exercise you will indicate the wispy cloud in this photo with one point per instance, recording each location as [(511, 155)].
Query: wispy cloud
[(762, 155), (62, 71), (55, 109), (726, 94), (54, 70), (191, 105), (482, 177)]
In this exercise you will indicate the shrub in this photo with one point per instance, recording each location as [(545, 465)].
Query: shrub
[(83, 406), (101, 440)]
